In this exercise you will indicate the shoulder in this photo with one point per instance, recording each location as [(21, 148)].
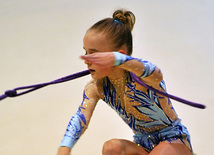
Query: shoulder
[(91, 85), (92, 88)]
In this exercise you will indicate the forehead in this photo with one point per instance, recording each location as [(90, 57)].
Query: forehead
[(94, 36), (96, 40)]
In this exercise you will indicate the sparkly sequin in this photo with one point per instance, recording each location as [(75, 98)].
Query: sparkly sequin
[(173, 134), (143, 110), (75, 126)]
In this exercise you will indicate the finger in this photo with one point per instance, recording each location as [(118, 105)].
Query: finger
[(83, 57), (87, 57), (91, 59)]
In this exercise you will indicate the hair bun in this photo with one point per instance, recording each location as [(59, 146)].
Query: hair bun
[(126, 17)]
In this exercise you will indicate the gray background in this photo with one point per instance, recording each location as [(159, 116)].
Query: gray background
[(41, 41)]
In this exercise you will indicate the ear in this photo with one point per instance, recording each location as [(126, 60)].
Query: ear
[(123, 52)]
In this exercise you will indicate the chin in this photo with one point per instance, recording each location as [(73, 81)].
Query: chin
[(95, 77)]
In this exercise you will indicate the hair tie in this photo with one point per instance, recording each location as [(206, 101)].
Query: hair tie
[(119, 21)]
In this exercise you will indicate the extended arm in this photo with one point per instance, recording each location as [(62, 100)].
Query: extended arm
[(79, 122), (148, 72)]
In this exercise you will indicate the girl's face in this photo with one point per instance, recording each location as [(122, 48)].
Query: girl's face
[(96, 42)]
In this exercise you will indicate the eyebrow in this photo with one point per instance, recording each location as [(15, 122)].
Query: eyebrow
[(92, 49)]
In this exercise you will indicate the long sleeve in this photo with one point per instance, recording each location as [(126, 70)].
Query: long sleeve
[(79, 122), (74, 129), (148, 72)]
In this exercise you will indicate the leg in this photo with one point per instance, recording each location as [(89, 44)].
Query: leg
[(166, 148), (122, 147)]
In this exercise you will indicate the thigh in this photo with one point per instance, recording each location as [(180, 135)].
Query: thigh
[(127, 147), (166, 148)]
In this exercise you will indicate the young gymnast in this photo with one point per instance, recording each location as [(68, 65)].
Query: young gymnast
[(155, 124)]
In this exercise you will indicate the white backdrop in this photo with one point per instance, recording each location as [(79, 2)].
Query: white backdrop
[(41, 41)]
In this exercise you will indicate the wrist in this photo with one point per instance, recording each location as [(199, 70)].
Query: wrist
[(120, 58), (67, 142), (73, 131)]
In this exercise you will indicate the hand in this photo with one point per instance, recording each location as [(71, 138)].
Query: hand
[(64, 151), (102, 59)]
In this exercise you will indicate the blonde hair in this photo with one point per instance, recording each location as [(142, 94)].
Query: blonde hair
[(117, 29)]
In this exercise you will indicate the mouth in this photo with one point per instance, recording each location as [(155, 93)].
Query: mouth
[(91, 70)]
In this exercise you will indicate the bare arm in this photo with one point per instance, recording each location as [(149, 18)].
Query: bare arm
[(79, 122)]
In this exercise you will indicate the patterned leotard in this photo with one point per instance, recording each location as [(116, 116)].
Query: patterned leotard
[(151, 116)]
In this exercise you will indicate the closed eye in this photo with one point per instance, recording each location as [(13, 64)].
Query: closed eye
[(90, 51)]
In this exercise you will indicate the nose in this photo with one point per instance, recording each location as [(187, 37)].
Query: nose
[(87, 63)]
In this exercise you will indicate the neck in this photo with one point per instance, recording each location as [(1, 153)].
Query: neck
[(116, 74)]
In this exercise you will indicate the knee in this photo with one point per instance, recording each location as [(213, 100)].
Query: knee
[(113, 146), (168, 147), (164, 148)]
